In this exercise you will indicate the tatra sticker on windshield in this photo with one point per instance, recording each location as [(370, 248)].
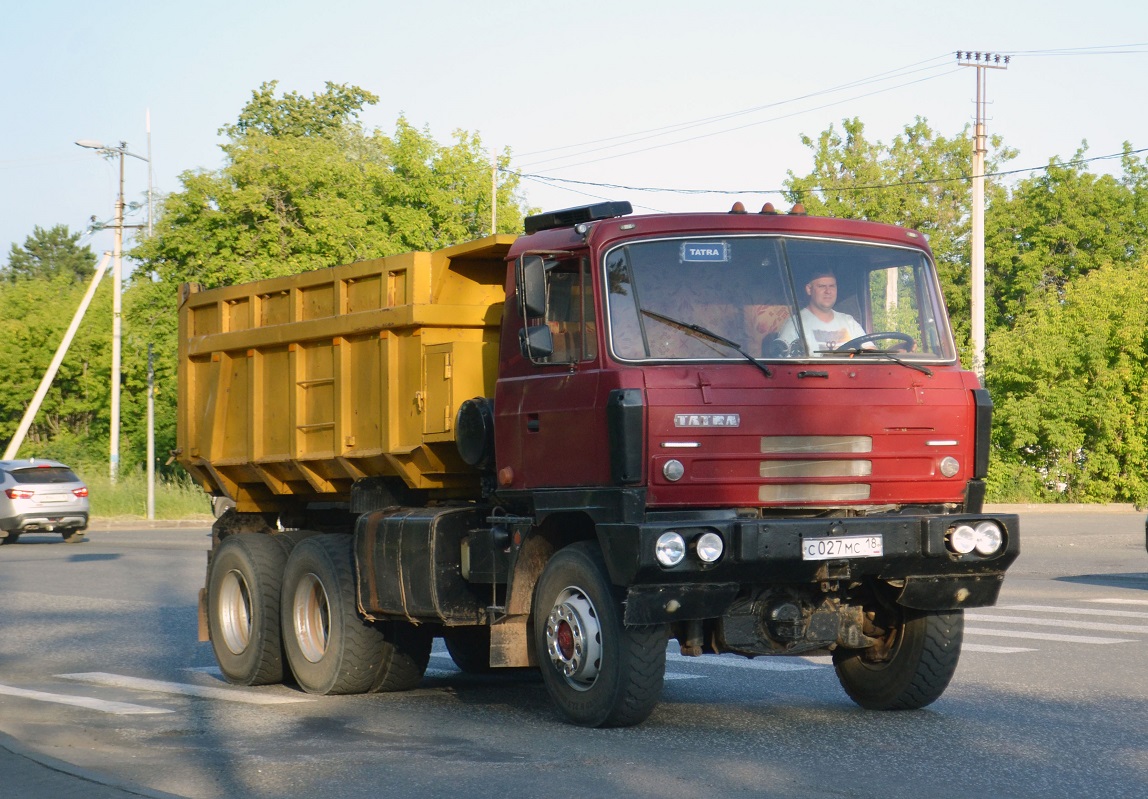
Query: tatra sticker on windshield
[(705, 252), (707, 420)]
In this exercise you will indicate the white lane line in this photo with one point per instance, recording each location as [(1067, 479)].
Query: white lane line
[(102, 705), (1114, 601), (1072, 639), (995, 650), (764, 663), (183, 689), (1123, 614), (1085, 626)]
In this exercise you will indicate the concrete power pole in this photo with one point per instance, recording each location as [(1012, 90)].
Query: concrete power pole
[(981, 61)]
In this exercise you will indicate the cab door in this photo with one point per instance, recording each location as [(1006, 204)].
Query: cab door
[(551, 430)]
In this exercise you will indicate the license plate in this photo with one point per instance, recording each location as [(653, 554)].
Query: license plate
[(53, 497), (842, 546)]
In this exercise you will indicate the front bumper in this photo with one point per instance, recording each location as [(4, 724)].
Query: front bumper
[(764, 553)]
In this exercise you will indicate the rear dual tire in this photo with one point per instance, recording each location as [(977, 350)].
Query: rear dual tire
[(330, 648), (243, 591)]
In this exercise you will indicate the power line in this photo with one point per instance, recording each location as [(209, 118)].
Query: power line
[(548, 179), (635, 136)]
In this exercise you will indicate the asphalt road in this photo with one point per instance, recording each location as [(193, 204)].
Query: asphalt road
[(101, 675)]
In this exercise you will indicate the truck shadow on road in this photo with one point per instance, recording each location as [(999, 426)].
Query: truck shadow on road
[(1130, 580)]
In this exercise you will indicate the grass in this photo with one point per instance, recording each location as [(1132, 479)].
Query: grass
[(176, 497)]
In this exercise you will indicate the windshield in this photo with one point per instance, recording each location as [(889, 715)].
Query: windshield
[(774, 297)]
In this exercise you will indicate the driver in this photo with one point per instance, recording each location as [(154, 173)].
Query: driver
[(825, 329)]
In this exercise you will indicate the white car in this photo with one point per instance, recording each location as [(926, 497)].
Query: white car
[(41, 495)]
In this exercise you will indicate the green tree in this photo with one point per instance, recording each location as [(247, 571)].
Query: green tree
[(1059, 225), (47, 253), (1070, 387), (72, 423)]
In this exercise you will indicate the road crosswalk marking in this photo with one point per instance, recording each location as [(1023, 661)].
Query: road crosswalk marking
[(102, 705), (1121, 614), (1097, 626), (182, 689), (1074, 639)]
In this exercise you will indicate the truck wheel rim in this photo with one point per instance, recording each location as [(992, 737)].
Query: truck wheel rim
[(235, 612), (574, 638), (311, 613)]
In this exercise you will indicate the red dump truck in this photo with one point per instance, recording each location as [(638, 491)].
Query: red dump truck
[(744, 432)]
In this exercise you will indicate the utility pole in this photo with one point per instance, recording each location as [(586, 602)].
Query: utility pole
[(117, 299), (493, 191), (981, 61)]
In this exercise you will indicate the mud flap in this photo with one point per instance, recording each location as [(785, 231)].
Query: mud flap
[(950, 593)]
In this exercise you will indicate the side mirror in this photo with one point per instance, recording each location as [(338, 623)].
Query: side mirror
[(532, 284), (536, 342)]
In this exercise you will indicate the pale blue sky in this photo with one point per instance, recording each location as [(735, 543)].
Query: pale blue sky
[(537, 75)]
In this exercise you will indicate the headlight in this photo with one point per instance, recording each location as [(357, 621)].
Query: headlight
[(673, 470), (962, 539), (949, 466), (709, 547), (989, 538), (986, 538), (670, 548)]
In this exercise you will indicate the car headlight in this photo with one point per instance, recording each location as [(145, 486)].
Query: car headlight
[(962, 539), (989, 538), (709, 547), (670, 548)]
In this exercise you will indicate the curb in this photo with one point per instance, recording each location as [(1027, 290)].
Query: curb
[(133, 523), (1067, 507)]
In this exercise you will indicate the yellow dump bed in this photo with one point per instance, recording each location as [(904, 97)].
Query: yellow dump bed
[(292, 388)]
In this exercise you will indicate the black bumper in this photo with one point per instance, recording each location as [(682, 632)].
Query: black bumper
[(762, 553)]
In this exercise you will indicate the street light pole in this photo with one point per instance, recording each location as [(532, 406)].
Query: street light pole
[(117, 301)]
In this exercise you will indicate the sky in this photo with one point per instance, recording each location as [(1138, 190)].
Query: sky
[(671, 94)]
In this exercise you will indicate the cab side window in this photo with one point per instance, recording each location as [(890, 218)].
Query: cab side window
[(570, 312)]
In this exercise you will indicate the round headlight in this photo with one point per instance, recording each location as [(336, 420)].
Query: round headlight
[(962, 539), (673, 470), (670, 548), (709, 547), (950, 466), (989, 538)]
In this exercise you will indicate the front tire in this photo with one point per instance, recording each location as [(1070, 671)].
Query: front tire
[(243, 608), (331, 649), (598, 671), (11, 538), (919, 655)]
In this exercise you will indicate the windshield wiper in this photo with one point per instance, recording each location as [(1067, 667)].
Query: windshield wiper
[(887, 354), (707, 333)]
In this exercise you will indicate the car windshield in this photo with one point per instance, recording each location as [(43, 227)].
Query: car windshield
[(775, 297), (44, 474)]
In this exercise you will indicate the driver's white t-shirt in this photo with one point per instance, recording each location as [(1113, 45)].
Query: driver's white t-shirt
[(822, 336)]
